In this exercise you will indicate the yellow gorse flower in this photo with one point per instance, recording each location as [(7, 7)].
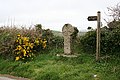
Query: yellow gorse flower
[(17, 40), (44, 44), (37, 41), (24, 52), (31, 45), (18, 47), (18, 35), (25, 39), (17, 58)]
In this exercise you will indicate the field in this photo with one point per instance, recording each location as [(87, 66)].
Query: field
[(58, 33)]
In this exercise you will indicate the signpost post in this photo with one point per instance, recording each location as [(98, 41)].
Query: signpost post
[(97, 18)]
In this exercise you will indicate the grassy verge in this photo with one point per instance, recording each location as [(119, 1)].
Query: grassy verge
[(51, 67)]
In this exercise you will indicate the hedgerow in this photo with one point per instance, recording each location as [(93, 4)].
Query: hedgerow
[(110, 41), (25, 45)]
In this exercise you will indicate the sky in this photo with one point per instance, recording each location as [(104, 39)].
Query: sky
[(53, 14)]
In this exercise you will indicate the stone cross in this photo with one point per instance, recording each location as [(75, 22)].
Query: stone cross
[(67, 31)]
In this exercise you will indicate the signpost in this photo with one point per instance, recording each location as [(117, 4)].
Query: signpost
[(97, 18), (92, 18)]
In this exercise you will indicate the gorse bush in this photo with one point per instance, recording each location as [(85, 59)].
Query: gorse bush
[(25, 49)]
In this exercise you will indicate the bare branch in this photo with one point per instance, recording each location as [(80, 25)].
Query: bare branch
[(114, 12)]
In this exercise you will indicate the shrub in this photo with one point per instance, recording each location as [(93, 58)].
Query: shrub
[(25, 48), (88, 42), (110, 41), (58, 42), (7, 42)]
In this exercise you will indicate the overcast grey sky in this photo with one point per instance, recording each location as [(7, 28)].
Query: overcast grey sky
[(53, 14)]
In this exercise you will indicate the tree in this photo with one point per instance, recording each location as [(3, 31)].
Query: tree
[(114, 12)]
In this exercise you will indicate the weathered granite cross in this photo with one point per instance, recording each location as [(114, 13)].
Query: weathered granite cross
[(67, 31)]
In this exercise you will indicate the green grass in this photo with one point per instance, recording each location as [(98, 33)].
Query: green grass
[(50, 67)]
